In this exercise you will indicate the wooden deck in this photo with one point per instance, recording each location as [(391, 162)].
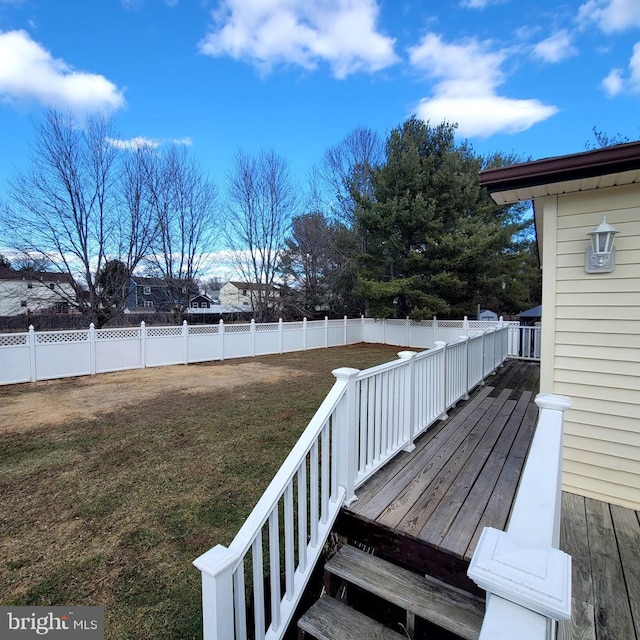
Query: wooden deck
[(427, 508), (604, 542)]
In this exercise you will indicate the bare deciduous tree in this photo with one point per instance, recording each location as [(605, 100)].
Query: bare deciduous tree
[(261, 201), (183, 203), (60, 208), (347, 168)]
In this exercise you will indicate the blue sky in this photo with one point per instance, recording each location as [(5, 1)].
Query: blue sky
[(530, 77)]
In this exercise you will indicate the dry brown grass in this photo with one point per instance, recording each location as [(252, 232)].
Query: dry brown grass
[(111, 485)]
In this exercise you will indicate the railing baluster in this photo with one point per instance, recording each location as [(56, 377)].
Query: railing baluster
[(274, 568), (324, 475), (239, 602), (258, 587), (289, 542), (302, 516), (314, 468)]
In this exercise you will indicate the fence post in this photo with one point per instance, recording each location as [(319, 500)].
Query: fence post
[(221, 334), (407, 342), (326, 332), (466, 364), (440, 344), (362, 329), (280, 330), (216, 566), (304, 334), (347, 434), (32, 354), (92, 349), (143, 345), (252, 333), (465, 325), (345, 331), (434, 326), (185, 342), (410, 395)]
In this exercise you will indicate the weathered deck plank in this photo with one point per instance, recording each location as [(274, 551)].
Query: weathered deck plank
[(463, 526), (464, 471)]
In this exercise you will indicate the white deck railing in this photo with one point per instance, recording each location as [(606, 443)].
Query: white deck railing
[(366, 419), (526, 576)]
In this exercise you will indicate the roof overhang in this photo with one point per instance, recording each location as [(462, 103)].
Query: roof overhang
[(607, 167)]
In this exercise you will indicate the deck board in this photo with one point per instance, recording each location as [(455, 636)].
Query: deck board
[(463, 472), (604, 543)]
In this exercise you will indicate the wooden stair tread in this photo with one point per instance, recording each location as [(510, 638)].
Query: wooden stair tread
[(443, 605), (330, 619)]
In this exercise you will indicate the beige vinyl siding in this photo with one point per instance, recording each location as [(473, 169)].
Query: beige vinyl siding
[(596, 344)]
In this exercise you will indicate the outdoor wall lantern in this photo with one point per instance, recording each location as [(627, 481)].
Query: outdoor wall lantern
[(599, 256)]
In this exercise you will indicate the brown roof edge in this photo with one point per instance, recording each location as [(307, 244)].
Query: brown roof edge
[(616, 159)]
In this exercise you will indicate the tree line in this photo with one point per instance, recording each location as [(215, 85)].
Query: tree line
[(393, 227)]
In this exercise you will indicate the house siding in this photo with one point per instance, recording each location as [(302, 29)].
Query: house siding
[(594, 341)]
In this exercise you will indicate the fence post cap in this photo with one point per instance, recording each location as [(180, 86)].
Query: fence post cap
[(439, 344), (216, 560), (344, 373), (552, 401), (407, 355)]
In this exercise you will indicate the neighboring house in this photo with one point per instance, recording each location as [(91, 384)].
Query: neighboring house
[(244, 296), (591, 321), (147, 295), (23, 292), (486, 314), (200, 302)]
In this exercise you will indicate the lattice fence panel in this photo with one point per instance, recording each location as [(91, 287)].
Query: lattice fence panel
[(62, 337), (12, 340)]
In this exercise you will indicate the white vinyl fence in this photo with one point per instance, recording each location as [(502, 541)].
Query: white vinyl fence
[(45, 355), (251, 588)]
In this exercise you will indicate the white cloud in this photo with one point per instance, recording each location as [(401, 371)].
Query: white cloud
[(301, 32), (479, 4), (468, 76), (610, 15), (139, 142), (616, 82), (556, 47), (613, 84), (30, 72)]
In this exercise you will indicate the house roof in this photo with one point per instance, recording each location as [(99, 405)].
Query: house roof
[(250, 286), (607, 167), (35, 276), (534, 312)]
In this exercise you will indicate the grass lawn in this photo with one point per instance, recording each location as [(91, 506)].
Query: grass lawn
[(112, 510)]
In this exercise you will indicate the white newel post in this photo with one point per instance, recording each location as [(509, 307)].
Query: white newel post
[(143, 345), (221, 334), (185, 342), (280, 331), (465, 326), (92, 349), (326, 332), (347, 434), (440, 344), (526, 576), (32, 354), (304, 334), (410, 395), (252, 333), (216, 566)]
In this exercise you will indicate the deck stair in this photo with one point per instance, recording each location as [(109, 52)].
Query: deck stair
[(447, 607)]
